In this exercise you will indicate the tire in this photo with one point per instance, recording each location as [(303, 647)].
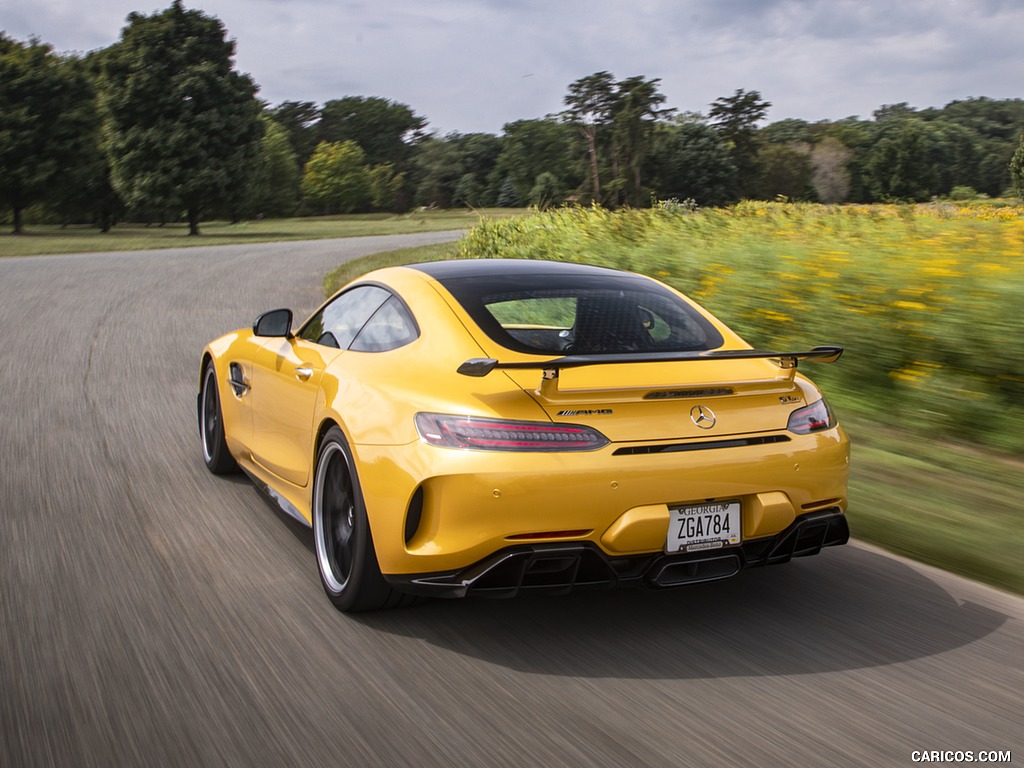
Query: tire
[(211, 426), (345, 554)]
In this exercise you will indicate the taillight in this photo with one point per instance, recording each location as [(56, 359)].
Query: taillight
[(812, 418), (482, 434)]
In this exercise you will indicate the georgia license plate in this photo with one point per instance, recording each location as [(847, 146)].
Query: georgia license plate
[(696, 527)]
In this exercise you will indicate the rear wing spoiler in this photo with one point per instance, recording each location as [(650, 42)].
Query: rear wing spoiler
[(481, 366)]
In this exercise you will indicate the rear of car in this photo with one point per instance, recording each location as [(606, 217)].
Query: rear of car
[(665, 451)]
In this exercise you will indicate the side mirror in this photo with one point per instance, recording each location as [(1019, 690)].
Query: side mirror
[(276, 322)]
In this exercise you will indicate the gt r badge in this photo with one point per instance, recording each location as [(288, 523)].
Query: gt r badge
[(789, 399), (702, 416)]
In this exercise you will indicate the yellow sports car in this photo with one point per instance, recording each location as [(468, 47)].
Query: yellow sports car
[(495, 426)]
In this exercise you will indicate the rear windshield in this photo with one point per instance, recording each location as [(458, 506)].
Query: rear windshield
[(582, 315)]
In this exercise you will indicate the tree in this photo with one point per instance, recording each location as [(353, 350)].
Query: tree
[(299, 119), (590, 103), (899, 111), (636, 108), (831, 176), (45, 108), (1017, 169), (900, 166), (955, 153), (467, 191), (387, 186), (689, 160), (545, 192), (858, 138), (336, 178), (785, 172), (274, 189), (507, 195), (532, 147), (788, 131), (84, 192), (736, 118), (439, 167), (182, 127), (386, 130), (479, 153)]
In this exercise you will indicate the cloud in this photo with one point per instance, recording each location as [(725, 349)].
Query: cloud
[(461, 63)]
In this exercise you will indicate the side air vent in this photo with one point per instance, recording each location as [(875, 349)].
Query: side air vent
[(705, 445), (677, 394)]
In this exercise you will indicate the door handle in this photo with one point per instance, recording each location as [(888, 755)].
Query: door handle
[(302, 373)]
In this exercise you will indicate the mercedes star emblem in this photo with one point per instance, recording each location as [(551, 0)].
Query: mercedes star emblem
[(702, 416)]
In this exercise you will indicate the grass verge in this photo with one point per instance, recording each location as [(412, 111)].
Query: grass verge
[(953, 506), (52, 239)]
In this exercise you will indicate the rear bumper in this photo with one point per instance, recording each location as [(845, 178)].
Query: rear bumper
[(560, 568)]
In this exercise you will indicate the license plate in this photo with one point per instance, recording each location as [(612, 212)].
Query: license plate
[(697, 527)]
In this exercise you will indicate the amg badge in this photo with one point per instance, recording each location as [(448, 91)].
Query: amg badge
[(596, 412)]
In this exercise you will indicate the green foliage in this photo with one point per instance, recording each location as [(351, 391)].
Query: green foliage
[(83, 192), (962, 193), (786, 172), (274, 189), (788, 131), (182, 127), (439, 168), (924, 298), (636, 109), (386, 186), (900, 166), (298, 118), (545, 192), (616, 121), (690, 160), (532, 147), (479, 153), (589, 106), (336, 179), (46, 123), (1017, 169), (736, 118), (386, 130), (507, 196), (467, 191)]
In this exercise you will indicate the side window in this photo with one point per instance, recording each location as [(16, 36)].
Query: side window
[(390, 327), (337, 324)]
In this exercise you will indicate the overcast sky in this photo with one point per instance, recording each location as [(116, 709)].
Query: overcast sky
[(473, 65)]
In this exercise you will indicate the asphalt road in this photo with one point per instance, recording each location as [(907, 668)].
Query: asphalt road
[(152, 614)]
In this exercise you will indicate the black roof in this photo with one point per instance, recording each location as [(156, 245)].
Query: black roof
[(444, 270)]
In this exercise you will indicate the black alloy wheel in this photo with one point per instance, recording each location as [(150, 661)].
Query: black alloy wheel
[(211, 426), (345, 554)]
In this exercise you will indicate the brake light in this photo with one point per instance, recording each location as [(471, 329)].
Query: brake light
[(482, 434), (812, 418)]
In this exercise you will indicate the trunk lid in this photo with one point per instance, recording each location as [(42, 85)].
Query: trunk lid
[(668, 401)]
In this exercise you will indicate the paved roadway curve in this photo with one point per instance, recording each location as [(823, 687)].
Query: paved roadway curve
[(152, 614)]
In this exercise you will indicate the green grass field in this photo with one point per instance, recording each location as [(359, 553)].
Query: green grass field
[(51, 239)]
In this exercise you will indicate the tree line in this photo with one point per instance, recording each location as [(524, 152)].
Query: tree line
[(160, 127)]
